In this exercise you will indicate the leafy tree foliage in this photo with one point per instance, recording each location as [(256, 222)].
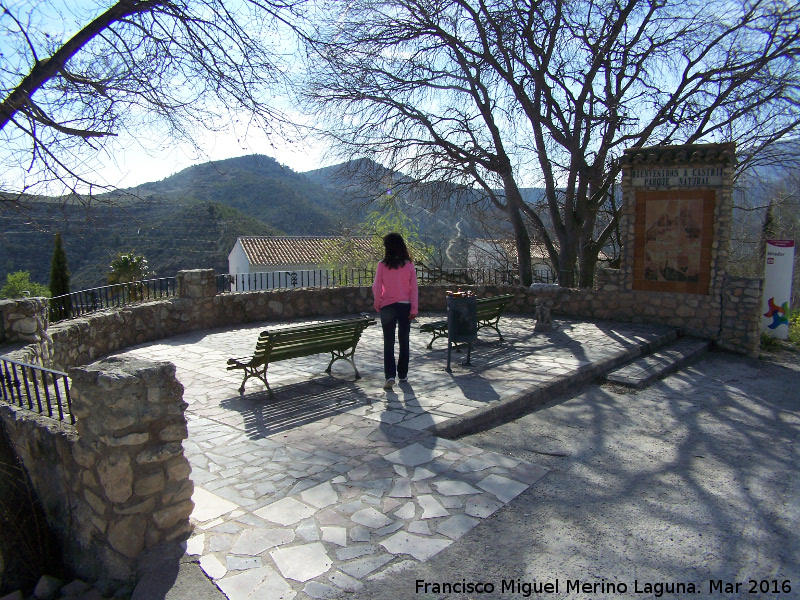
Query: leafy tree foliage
[(19, 285), (59, 281), (387, 217), (128, 267)]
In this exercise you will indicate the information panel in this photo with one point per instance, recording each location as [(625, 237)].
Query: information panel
[(777, 288)]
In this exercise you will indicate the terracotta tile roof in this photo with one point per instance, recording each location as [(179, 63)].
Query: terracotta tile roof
[(508, 248), (298, 250)]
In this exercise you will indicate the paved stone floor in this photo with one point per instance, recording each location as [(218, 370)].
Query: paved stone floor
[(335, 481)]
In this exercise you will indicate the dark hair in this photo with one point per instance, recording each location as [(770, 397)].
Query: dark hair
[(396, 251)]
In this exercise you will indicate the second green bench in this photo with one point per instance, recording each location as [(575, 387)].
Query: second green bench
[(488, 310)]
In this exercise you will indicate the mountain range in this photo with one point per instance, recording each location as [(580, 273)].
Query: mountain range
[(191, 219)]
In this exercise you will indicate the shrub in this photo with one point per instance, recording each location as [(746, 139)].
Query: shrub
[(19, 285)]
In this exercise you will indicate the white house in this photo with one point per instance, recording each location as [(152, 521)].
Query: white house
[(269, 262), (502, 255)]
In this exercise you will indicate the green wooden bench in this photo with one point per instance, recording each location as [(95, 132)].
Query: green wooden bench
[(489, 311), (337, 337)]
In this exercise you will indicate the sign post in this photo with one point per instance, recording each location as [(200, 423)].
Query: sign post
[(777, 288)]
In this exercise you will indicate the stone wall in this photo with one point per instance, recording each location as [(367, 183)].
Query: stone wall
[(118, 482), (80, 341), (732, 321)]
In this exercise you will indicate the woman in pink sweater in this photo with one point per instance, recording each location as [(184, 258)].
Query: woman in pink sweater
[(397, 301)]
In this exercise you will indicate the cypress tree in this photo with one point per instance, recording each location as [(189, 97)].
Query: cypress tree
[(59, 281)]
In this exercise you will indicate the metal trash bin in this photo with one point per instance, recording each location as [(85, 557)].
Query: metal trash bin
[(462, 324)]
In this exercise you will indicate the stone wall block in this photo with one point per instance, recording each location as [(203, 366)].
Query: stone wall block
[(97, 503), (126, 535), (138, 508), (159, 453), (24, 319), (177, 491), (174, 432), (169, 516), (83, 456), (130, 439), (178, 468), (148, 484), (116, 476)]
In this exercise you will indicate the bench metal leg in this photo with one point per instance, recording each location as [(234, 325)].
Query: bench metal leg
[(436, 336), (254, 372), (336, 355), (493, 325)]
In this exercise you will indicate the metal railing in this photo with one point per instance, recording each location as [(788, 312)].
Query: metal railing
[(35, 388), (76, 304), (281, 280)]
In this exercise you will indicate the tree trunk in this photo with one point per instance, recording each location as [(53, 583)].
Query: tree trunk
[(587, 266), (521, 237)]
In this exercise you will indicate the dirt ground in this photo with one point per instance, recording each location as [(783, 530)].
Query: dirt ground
[(688, 488)]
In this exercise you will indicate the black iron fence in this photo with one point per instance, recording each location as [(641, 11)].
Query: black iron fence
[(282, 280), (277, 280), (83, 302), (35, 388)]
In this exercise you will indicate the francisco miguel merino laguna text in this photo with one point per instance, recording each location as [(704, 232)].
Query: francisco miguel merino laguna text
[(527, 588)]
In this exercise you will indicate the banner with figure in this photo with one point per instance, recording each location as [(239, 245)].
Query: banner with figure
[(778, 288)]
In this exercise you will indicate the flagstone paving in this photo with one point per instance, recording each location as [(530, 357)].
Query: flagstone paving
[(335, 481)]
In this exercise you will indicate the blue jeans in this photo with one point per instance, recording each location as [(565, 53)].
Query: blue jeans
[(395, 315)]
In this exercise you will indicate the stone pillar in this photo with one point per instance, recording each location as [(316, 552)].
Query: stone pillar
[(134, 487), (196, 292), (197, 284), (740, 329), (24, 321)]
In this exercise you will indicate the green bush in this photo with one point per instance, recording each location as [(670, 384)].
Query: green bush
[(19, 285), (794, 327)]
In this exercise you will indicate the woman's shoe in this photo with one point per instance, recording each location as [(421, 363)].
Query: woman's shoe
[(389, 383)]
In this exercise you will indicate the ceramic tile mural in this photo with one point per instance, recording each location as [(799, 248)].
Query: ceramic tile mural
[(674, 234)]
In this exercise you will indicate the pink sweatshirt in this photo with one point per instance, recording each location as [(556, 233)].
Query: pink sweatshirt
[(396, 285)]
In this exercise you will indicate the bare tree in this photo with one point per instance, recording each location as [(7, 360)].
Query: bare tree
[(493, 94), (157, 71)]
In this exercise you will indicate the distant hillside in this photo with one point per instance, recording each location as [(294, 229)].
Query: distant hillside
[(191, 235), (188, 220), (192, 218), (259, 187)]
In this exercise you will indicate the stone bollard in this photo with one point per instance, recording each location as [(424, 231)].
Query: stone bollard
[(24, 321), (195, 303), (135, 480)]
